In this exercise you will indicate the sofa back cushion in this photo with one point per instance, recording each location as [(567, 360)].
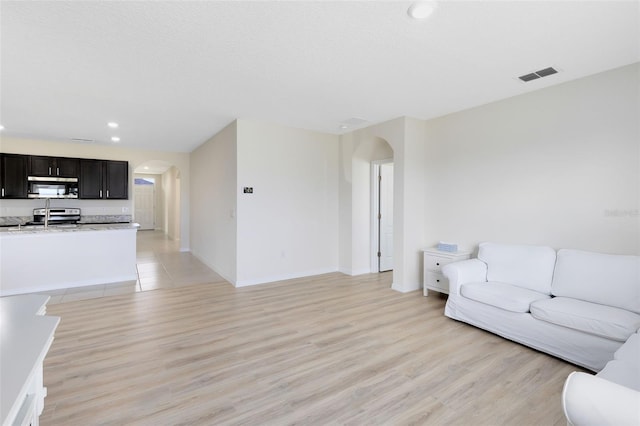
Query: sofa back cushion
[(607, 279), (528, 267)]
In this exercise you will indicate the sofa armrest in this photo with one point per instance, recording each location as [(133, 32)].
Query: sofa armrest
[(591, 400), (466, 271)]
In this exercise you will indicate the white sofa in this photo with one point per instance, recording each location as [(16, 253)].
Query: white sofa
[(580, 306), (611, 397)]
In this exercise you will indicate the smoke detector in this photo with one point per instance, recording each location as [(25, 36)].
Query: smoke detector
[(353, 122), (422, 9)]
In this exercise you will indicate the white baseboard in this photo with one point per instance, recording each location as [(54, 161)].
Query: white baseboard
[(353, 273), (406, 289), (282, 277)]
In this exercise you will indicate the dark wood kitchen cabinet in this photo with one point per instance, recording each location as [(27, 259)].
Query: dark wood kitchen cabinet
[(90, 179), (101, 179), (116, 180), (53, 166), (13, 176)]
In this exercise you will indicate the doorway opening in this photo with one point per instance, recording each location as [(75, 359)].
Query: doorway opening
[(144, 201), (156, 201), (382, 215)]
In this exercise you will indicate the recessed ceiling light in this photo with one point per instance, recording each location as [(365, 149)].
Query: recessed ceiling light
[(422, 9), (112, 124), (1, 127), (115, 139), (344, 126), (146, 167)]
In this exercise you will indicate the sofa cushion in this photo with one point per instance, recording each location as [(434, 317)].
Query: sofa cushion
[(501, 295), (605, 321), (612, 280), (623, 373), (630, 351), (529, 267)]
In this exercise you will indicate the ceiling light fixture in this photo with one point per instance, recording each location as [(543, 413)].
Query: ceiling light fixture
[(112, 124), (422, 9), (115, 139), (1, 127)]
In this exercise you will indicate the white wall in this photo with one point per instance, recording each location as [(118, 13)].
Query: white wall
[(213, 203), (171, 198), (135, 157), (559, 167), (412, 214), (345, 211), (288, 227)]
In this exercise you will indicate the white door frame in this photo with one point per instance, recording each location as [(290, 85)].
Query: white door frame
[(375, 191)]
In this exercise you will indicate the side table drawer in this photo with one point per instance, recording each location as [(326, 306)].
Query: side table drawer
[(436, 281), (435, 263)]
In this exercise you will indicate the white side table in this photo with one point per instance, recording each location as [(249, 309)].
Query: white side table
[(434, 260)]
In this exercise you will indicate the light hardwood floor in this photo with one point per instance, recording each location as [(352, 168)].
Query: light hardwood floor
[(330, 349)]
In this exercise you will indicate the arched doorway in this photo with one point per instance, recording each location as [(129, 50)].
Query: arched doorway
[(372, 205)]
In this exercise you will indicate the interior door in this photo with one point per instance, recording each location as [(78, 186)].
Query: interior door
[(385, 218), (144, 196)]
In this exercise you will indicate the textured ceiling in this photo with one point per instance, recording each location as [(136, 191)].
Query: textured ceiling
[(174, 73)]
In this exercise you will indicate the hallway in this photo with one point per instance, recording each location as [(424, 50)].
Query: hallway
[(160, 264)]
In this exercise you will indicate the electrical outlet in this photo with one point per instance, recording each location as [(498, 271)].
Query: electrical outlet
[(248, 190), (125, 210)]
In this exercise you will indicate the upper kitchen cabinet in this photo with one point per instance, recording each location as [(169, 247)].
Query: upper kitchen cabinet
[(101, 179), (53, 166), (117, 180), (90, 179), (13, 176)]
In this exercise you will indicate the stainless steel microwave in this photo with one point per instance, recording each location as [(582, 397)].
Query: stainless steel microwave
[(52, 187)]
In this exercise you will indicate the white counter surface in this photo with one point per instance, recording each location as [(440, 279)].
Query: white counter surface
[(25, 338)]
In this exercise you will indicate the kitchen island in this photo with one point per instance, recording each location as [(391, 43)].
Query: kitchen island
[(36, 259)]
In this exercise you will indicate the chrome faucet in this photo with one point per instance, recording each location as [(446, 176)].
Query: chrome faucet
[(47, 212)]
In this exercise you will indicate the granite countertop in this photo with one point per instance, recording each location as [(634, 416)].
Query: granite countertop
[(40, 229), (84, 220)]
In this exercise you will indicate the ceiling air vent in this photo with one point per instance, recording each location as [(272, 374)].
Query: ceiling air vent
[(82, 140), (534, 75)]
